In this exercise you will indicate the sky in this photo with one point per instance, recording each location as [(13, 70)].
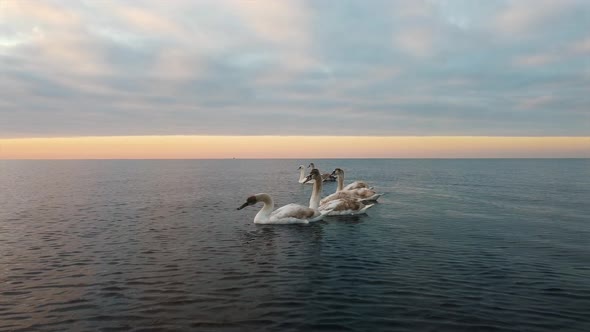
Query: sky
[(330, 68)]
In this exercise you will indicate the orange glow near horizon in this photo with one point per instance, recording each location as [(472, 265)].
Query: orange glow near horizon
[(220, 147)]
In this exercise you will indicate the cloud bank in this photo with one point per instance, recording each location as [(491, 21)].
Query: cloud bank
[(104, 68)]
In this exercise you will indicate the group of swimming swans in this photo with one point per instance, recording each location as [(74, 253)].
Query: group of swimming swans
[(325, 177), (355, 198)]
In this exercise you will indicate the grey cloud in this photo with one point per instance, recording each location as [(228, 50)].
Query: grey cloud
[(353, 78)]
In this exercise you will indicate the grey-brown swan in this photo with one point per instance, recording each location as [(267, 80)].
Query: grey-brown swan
[(364, 194), (348, 205)]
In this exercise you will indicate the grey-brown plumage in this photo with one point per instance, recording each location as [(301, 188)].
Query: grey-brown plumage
[(349, 205)]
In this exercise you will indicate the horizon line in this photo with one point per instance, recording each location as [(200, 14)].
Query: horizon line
[(297, 158), (287, 136)]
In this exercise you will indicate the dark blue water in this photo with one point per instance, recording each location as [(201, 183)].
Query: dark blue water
[(454, 245)]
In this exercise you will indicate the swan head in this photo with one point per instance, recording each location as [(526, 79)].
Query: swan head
[(250, 201), (311, 165), (338, 172), (314, 175), (301, 167)]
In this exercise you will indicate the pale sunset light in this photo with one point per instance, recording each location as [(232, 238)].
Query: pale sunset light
[(260, 147)]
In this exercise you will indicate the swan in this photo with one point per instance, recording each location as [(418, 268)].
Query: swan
[(339, 173), (341, 206), (290, 213), (363, 194), (326, 176), (302, 175)]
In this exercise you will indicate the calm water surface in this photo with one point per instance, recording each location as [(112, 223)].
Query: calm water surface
[(454, 245)]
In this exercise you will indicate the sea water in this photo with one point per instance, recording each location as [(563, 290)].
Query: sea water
[(453, 245)]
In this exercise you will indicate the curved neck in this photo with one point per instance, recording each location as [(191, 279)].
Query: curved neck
[(264, 213), (316, 193), (340, 182), (301, 175)]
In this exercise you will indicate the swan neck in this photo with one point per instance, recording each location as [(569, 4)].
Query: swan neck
[(340, 182), (316, 194), (267, 208), (301, 175)]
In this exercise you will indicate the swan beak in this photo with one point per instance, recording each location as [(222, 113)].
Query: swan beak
[(333, 173), (307, 179), (243, 206)]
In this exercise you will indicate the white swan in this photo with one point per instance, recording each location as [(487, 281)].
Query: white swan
[(363, 194), (316, 193), (302, 175), (342, 206), (290, 213), (326, 176)]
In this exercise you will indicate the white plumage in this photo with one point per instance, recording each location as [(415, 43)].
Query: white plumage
[(290, 213)]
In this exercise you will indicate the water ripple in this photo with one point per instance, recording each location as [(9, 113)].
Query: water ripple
[(135, 246)]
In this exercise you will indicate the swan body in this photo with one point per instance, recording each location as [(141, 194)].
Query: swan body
[(326, 177), (290, 213), (357, 185), (362, 194), (347, 205)]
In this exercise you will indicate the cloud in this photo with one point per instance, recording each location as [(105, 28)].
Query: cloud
[(535, 102), (581, 47), (526, 16), (534, 60), (416, 41), (294, 67)]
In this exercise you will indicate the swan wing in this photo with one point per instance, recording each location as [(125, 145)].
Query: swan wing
[(293, 211), (343, 206), (336, 195), (362, 194), (356, 185), (348, 194), (328, 177)]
